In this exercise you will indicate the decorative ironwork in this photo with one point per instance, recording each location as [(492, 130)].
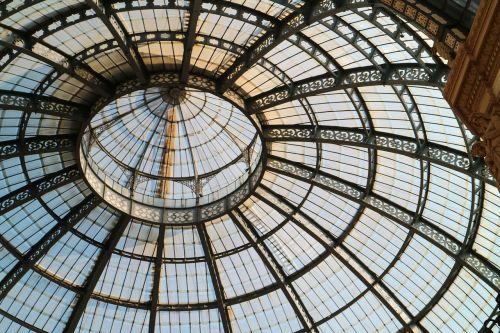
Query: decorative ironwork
[(435, 153), (48, 54), (393, 74), (37, 145), (479, 266), (42, 104), (37, 188), (310, 12), (171, 216), (289, 27), (451, 245)]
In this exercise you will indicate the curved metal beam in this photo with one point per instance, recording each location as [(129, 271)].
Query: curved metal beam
[(399, 74), (156, 278), (343, 255), (38, 250), (95, 274), (48, 54), (113, 24), (475, 220), (13, 100), (418, 149), (441, 239), (39, 187), (30, 327), (310, 12), (215, 277), (330, 64), (314, 11), (194, 13), (274, 268), (41, 144), (81, 13)]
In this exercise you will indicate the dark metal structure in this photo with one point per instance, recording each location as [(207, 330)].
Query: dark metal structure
[(364, 210)]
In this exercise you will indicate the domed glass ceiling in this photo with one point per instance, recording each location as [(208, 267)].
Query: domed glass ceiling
[(342, 194), (168, 148)]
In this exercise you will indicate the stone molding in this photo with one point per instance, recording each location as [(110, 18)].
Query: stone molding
[(474, 84)]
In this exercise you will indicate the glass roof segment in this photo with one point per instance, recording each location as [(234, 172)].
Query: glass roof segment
[(236, 166)]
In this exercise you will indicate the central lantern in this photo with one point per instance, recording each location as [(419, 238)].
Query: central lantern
[(171, 154)]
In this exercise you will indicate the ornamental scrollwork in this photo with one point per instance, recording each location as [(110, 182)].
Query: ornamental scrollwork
[(11, 200), (338, 186), (295, 170), (292, 24), (272, 98), (164, 78), (341, 135), (201, 82), (237, 196), (482, 269), (39, 187), (389, 209), (260, 48), (212, 210), (48, 144), (364, 76), (39, 105), (396, 143), (54, 181), (449, 157), (235, 71), (126, 87), (437, 236), (314, 86), (16, 101), (324, 6), (410, 74), (57, 108), (283, 133), (146, 213), (8, 149), (12, 278), (179, 216)]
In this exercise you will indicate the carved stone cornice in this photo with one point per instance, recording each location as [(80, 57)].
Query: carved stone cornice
[(474, 83), (447, 39)]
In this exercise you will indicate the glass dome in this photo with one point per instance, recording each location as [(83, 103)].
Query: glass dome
[(167, 148), (237, 166)]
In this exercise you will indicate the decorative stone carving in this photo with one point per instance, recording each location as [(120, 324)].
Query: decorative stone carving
[(473, 89), (490, 147)]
